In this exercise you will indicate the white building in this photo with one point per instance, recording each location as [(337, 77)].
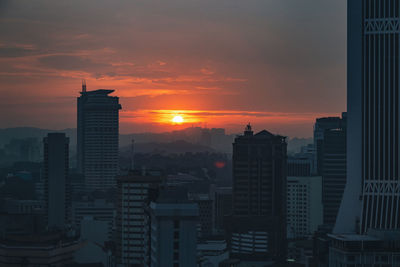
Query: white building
[(304, 205)]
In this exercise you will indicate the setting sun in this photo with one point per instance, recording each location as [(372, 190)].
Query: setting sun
[(177, 119)]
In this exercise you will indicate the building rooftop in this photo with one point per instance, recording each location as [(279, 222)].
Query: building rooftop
[(98, 92)]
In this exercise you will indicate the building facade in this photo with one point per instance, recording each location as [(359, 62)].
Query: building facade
[(333, 173), (97, 138), (98, 210), (56, 166), (258, 224), (373, 118), (173, 234), (376, 248), (304, 205), (135, 192)]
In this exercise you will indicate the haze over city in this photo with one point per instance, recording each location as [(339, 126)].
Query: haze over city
[(277, 64)]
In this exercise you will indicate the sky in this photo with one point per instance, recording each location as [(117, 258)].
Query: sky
[(278, 64)]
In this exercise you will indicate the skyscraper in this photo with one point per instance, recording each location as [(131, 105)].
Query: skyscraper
[(333, 173), (98, 138), (258, 223), (56, 165), (372, 194)]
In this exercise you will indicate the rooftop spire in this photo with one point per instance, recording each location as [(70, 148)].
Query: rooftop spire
[(83, 86), (247, 130)]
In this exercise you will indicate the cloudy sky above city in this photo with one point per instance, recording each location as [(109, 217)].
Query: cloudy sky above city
[(276, 63)]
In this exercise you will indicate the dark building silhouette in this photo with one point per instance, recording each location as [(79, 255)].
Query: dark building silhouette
[(298, 166), (97, 138), (56, 187), (372, 195), (334, 173), (258, 223), (50, 249), (222, 206), (330, 148), (321, 125)]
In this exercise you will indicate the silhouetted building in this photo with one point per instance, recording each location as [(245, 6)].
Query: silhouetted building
[(135, 191), (56, 166), (302, 164), (173, 231), (304, 205), (222, 206), (206, 216), (258, 223), (321, 125), (373, 118), (376, 248), (333, 173), (97, 138), (38, 250), (298, 166), (212, 252)]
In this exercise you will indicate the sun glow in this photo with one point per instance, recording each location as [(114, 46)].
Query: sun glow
[(177, 119)]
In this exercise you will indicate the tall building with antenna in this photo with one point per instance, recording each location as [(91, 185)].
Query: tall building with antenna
[(98, 134)]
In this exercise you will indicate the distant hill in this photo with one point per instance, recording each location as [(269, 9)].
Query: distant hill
[(175, 147)]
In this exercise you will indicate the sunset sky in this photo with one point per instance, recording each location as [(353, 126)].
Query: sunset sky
[(217, 63)]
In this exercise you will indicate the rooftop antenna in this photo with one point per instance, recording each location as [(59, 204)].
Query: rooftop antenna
[(132, 154), (83, 86)]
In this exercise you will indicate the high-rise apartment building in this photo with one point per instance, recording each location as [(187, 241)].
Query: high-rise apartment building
[(258, 223), (135, 192), (98, 136), (372, 194), (56, 166)]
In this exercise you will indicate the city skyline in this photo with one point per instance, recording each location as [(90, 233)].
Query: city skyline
[(163, 60)]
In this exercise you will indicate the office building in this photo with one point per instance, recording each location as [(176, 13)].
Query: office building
[(135, 191), (333, 173), (173, 231), (375, 248), (97, 138), (320, 126), (372, 195), (304, 206), (258, 223), (56, 166)]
